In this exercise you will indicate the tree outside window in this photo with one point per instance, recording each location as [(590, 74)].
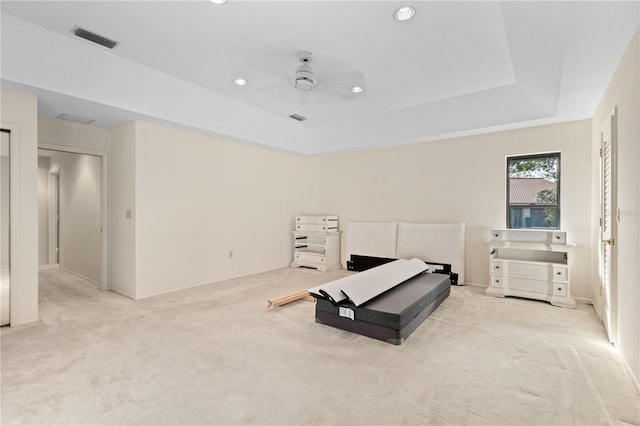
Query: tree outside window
[(533, 191)]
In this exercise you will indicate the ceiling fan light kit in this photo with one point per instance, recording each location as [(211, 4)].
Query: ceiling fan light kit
[(304, 80), (240, 82), (356, 89), (404, 13)]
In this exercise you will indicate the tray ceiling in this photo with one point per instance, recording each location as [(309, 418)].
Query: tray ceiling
[(455, 68)]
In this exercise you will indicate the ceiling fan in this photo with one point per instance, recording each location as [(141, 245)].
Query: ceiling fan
[(306, 82)]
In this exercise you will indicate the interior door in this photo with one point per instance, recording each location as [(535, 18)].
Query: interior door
[(4, 228), (54, 217), (608, 222)]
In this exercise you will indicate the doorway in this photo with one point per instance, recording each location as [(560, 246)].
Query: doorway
[(73, 212)]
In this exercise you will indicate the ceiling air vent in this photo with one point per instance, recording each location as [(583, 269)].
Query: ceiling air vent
[(297, 117), (75, 118), (95, 38)]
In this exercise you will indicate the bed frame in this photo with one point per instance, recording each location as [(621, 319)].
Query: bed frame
[(405, 240)]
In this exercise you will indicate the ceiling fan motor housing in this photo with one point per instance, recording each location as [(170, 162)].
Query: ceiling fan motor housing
[(304, 74), (304, 78)]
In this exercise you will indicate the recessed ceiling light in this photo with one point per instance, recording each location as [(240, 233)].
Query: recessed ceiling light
[(218, 1), (356, 89), (240, 82), (404, 13)]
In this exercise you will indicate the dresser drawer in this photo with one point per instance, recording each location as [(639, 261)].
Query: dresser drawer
[(317, 227), (560, 273), (559, 289), (497, 267), (529, 236), (529, 285), (317, 219), (309, 259), (498, 234), (497, 281), (535, 270), (559, 237)]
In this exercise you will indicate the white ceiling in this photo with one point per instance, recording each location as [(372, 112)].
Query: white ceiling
[(456, 68)]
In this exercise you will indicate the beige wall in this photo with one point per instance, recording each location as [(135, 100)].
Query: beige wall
[(623, 92), (198, 198), (19, 113), (463, 180), (73, 135), (122, 265)]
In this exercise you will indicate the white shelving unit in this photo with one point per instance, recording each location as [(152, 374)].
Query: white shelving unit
[(531, 263), (316, 243)]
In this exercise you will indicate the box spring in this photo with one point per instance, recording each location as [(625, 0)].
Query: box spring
[(393, 315)]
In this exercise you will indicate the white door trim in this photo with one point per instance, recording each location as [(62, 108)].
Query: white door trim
[(15, 266), (607, 233), (104, 284)]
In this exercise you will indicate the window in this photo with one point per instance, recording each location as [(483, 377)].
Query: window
[(533, 191)]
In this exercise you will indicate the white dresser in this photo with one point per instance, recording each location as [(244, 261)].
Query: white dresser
[(531, 263), (316, 243)]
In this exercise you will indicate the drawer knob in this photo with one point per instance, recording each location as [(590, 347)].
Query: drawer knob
[(559, 288), (559, 273), (495, 235), (497, 267)]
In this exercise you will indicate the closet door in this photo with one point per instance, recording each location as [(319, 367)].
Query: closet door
[(4, 228)]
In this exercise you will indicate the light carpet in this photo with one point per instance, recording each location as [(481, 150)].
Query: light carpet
[(215, 355)]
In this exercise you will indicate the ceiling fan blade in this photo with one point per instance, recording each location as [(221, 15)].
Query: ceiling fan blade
[(335, 93), (253, 65), (340, 76), (304, 98), (280, 85)]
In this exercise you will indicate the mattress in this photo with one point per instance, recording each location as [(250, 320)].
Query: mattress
[(391, 316)]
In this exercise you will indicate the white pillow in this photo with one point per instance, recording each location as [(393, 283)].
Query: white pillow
[(441, 243)]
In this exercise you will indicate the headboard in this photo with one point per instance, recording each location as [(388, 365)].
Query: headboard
[(443, 243)]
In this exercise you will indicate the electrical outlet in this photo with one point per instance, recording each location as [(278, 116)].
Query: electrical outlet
[(127, 214), (601, 290)]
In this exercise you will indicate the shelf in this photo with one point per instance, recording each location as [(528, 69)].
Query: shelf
[(309, 250), (315, 248), (531, 246)]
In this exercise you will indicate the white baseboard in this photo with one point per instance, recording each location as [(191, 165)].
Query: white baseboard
[(23, 323), (585, 300), (46, 266), (477, 285), (128, 296), (634, 379), (189, 286), (80, 276)]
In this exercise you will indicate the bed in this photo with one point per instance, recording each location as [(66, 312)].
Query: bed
[(396, 291), (393, 316)]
